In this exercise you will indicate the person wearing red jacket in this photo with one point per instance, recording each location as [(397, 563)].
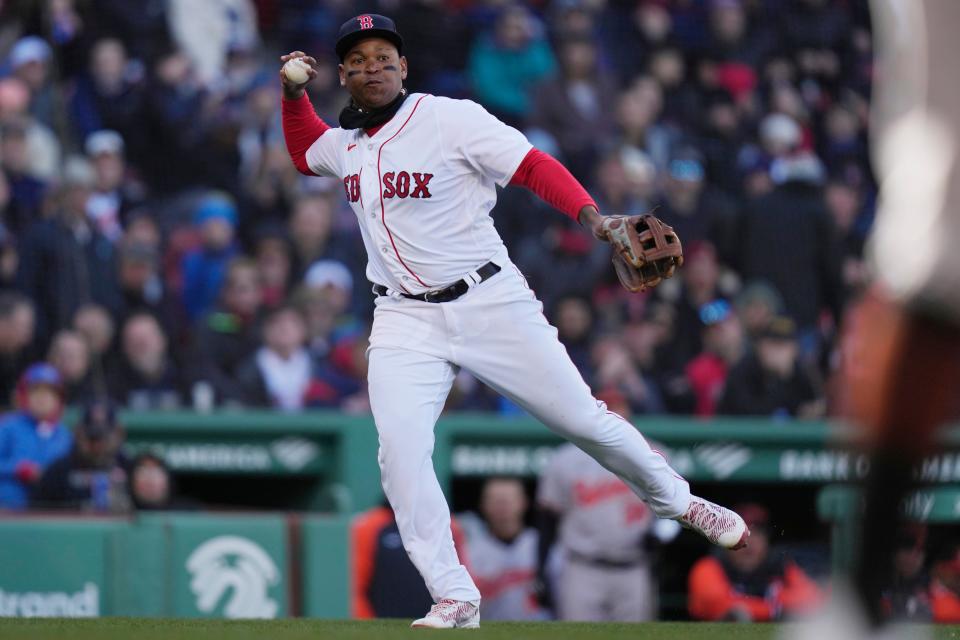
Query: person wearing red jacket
[(945, 588), (752, 584)]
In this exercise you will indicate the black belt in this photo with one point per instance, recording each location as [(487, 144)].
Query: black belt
[(604, 562), (446, 294)]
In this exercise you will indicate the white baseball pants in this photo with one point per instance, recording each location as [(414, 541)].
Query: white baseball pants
[(496, 331)]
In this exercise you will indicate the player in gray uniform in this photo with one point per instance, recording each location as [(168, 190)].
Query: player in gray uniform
[(503, 552), (605, 572)]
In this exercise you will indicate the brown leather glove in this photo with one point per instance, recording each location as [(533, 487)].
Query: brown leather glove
[(645, 250)]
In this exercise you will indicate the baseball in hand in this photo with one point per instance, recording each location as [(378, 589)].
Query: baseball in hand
[(295, 71)]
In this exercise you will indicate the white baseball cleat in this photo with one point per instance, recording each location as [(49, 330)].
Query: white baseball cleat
[(719, 525), (450, 614)]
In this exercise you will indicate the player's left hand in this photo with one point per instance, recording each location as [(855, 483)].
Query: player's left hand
[(645, 250), (591, 218)]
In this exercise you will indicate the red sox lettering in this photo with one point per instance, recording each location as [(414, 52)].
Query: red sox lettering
[(399, 185), (403, 184)]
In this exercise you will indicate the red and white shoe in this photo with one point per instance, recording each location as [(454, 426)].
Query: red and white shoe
[(719, 525), (450, 614)]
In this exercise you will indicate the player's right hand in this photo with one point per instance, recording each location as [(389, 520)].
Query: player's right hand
[(293, 90)]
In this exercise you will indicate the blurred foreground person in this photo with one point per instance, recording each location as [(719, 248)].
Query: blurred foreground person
[(902, 355)]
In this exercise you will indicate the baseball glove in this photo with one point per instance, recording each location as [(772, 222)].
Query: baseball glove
[(645, 250)]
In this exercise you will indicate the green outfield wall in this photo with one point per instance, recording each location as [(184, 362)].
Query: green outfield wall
[(294, 560), (334, 456), (181, 565)]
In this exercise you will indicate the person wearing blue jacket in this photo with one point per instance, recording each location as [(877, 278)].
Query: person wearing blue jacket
[(34, 436), (204, 267)]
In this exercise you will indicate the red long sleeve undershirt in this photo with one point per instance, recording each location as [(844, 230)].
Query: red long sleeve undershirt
[(539, 172), (545, 176), (301, 128)]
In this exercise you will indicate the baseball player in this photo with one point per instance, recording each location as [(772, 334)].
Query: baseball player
[(905, 337), (601, 528), (420, 172), (503, 552)]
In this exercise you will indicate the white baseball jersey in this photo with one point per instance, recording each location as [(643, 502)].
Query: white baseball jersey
[(422, 188), (601, 518)]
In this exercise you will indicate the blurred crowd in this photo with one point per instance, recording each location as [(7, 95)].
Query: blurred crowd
[(158, 246)]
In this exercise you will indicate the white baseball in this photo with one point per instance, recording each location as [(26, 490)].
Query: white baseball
[(296, 71)]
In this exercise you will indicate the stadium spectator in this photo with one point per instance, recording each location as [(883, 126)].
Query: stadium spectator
[(203, 268), (844, 201), (945, 589), (757, 305), (152, 486), (274, 261), (142, 229), (30, 61), (699, 284), (114, 194), (208, 31), (43, 149), (32, 437), (334, 282), (771, 381), (571, 107), (384, 583), (142, 287), (282, 373), (342, 377), (26, 191), (229, 334), (733, 39), (110, 95), (94, 475), (313, 234), (177, 154), (563, 261), (616, 369), (695, 211), (637, 112), (755, 585), (574, 321), (617, 177), (146, 377), (16, 337), (723, 346), (788, 239), (65, 261), (908, 595), (720, 140), (635, 31), (503, 552), (506, 64), (70, 354), (96, 326)]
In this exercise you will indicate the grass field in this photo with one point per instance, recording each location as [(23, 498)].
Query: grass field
[(166, 629)]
